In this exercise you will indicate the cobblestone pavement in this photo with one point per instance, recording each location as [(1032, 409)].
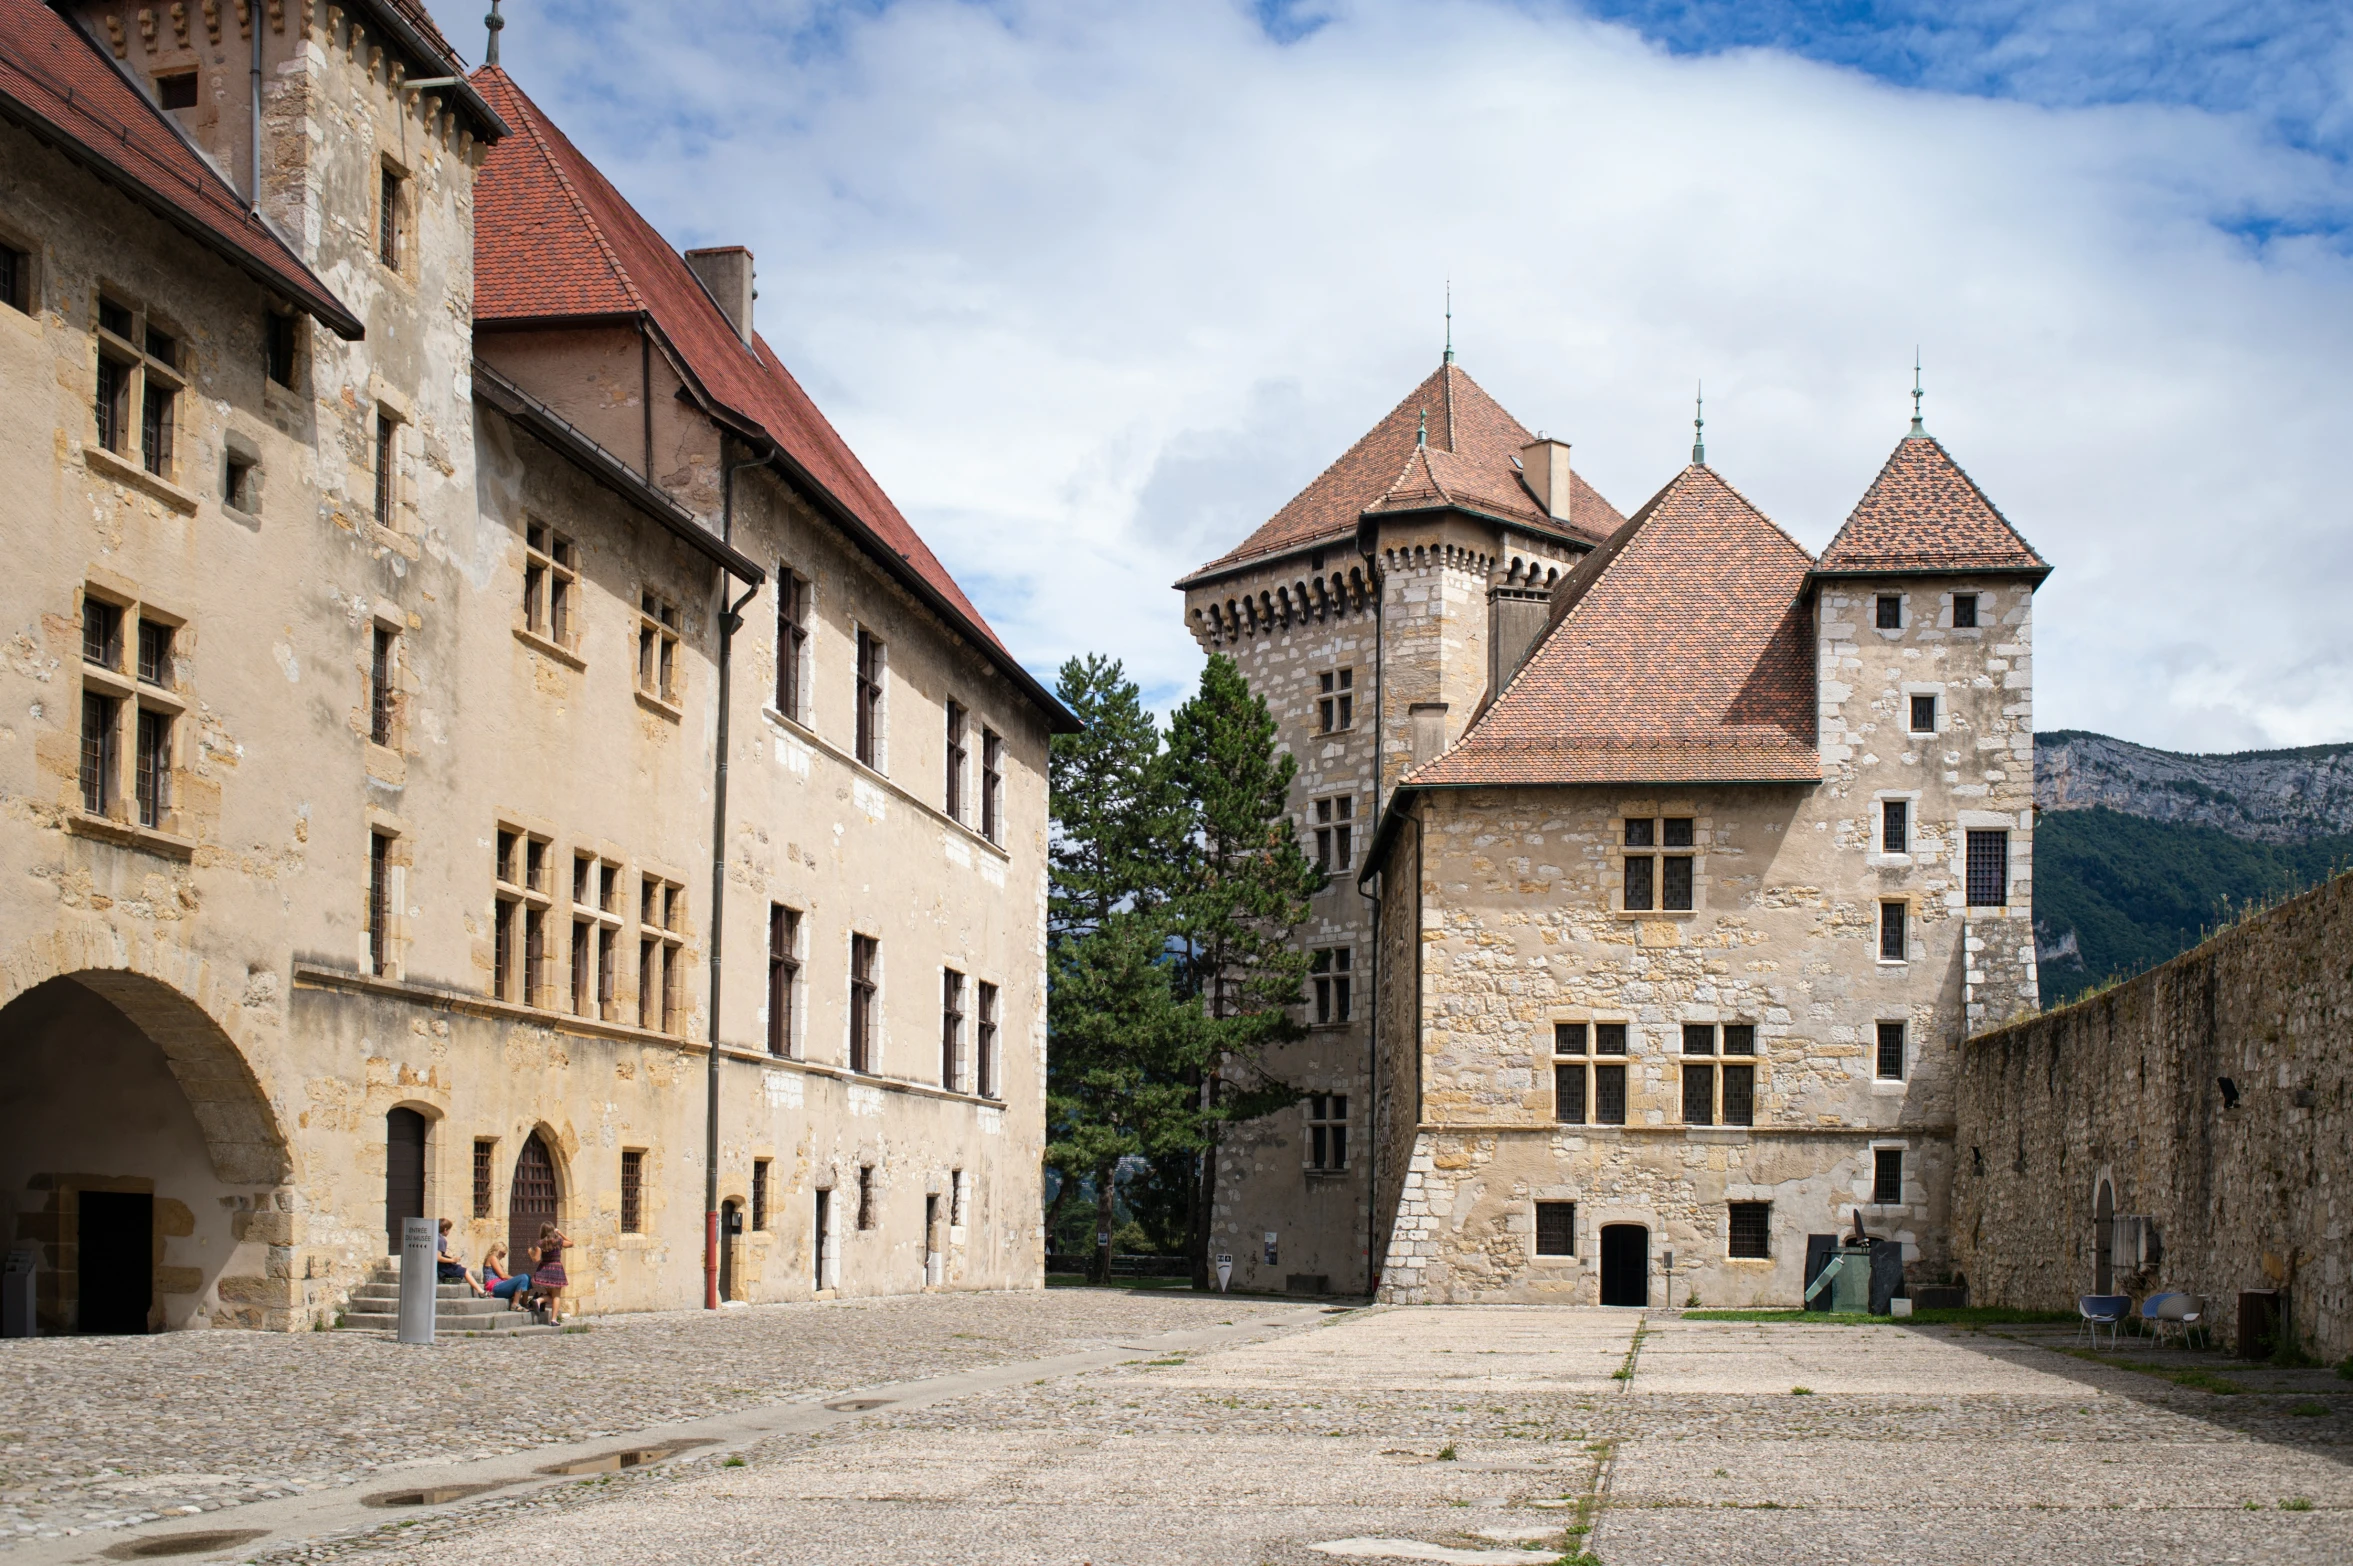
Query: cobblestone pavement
[(97, 1432), (1486, 1435)]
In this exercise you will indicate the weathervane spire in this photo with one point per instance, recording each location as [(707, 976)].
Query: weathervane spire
[(1917, 427), (1422, 436), (496, 23), (1699, 424), (1450, 320)]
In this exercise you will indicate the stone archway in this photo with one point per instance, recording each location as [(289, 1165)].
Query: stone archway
[(120, 1085)]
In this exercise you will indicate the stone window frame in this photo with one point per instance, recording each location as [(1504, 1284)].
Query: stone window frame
[(1331, 986), (1537, 1256), (1318, 1114), (1903, 616), (1949, 614), (136, 702), (1944, 711), (385, 709), (1875, 853), (394, 196), (661, 936), (762, 1216), (1731, 1229), (548, 619), (631, 1218), (128, 456), (24, 300), (1719, 1057), (383, 939), (1658, 850), (1335, 699), (1332, 820), (658, 667), (1911, 1038), (1905, 1173), (1910, 905), (598, 914), (1578, 1060)]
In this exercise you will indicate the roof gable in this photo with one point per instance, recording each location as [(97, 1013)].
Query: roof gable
[(1680, 652), (1447, 445), (55, 81), (1923, 513), (553, 240)]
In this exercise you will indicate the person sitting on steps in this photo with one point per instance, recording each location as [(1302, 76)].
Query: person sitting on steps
[(447, 1268), (498, 1284)]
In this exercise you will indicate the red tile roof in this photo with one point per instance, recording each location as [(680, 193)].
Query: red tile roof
[(1468, 462), (1680, 652), (1924, 514), (58, 84), (554, 240)]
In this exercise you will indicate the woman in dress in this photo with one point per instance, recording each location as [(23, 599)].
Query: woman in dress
[(547, 1270)]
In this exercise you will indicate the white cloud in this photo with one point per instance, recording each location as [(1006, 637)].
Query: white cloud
[(1095, 287)]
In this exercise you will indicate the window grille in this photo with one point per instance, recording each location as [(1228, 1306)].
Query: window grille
[(1740, 1094), (1893, 942), (1568, 1092), (1568, 1038), (155, 654), (1609, 1038), (1556, 1228), (1924, 715), (1327, 1130), (1330, 971), (151, 767), (1965, 611), (1895, 826), (1609, 1095), (102, 633), (1887, 1177), (1699, 1095), (784, 974), (1752, 1230), (1989, 869), (387, 449), (388, 219), (379, 903), (1891, 1052), (1699, 1038), (632, 1191), (99, 715), (1740, 1038), (1638, 883), (380, 666), (759, 1194), (1891, 612), (484, 1149), (862, 955)]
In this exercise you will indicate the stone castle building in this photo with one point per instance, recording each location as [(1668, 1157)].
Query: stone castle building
[(1670, 865), (440, 631)]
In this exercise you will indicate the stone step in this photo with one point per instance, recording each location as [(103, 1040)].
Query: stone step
[(376, 1290), (499, 1323)]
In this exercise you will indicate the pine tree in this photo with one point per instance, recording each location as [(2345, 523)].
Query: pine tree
[(1240, 897)]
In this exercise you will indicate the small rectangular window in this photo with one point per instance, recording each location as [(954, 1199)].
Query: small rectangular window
[(986, 1059), (1609, 1095), (1327, 1131), (1895, 826), (1335, 834), (156, 421), (388, 219), (237, 482), (100, 715), (1336, 700), (1330, 970), (649, 977), (16, 279), (584, 967), (1641, 832), (1740, 1038), (279, 337), (113, 405), (863, 950), (1887, 1176), (1556, 1228), (759, 1195), (102, 633), (535, 957), (176, 90), (387, 453), (1752, 1230), (484, 1150), (379, 903), (953, 786), (951, 1030), (1676, 832), (632, 1191), (792, 641), (1924, 715), (1677, 885), (657, 647), (1891, 1052), (1699, 1095), (1894, 945), (505, 912), (1740, 1094), (1609, 1038), (992, 785), (1965, 611), (1568, 1092), (869, 699), (1638, 882), (1568, 1038), (1989, 869), (1699, 1038), (151, 774), (115, 316), (784, 976), (1891, 612), (382, 662)]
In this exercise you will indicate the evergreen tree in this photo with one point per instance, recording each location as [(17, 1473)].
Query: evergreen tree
[(1240, 896)]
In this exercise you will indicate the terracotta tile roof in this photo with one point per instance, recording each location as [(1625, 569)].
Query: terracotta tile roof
[(1680, 652), (1468, 462), (554, 240), (58, 84), (1924, 514)]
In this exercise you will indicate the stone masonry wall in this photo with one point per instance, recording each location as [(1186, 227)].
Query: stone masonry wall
[(2128, 1087)]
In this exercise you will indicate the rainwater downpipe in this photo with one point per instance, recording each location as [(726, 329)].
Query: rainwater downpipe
[(729, 618), (1368, 545)]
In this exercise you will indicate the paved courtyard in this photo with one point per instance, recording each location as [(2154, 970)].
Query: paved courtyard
[(1101, 1427)]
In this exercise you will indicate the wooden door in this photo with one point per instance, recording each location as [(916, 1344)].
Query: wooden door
[(531, 1200), (404, 1173)]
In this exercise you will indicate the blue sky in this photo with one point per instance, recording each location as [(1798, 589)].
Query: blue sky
[(1095, 285)]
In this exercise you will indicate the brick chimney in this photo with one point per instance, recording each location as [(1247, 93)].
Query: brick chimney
[(726, 273), (1546, 464)]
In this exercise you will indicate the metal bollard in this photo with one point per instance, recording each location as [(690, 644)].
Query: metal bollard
[(419, 1283)]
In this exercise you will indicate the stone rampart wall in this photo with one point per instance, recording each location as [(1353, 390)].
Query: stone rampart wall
[(2215, 1096)]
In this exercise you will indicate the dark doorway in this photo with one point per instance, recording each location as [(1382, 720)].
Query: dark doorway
[(2104, 1240), (115, 1254), (1625, 1264), (531, 1201), (931, 1241), (817, 1241), (730, 1242), (404, 1173)]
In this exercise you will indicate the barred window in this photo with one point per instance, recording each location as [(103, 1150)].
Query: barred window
[(1924, 715), (1609, 1095), (1568, 1038), (1891, 612), (1699, 1038), (1891, 1052), (1740, 1094), (484, 1147), (1568, 1092), (1893, 945), (1609, 1038), (1965, 611), (1895, 826), (1556, 1228), (379, 903), (1638, 883), (387, 455), (1887, 1176), (1752, 1230), (382, 654), (1740, 1038), (632, 1191), (759, 1194), (1699, 1095), (1989, 869)]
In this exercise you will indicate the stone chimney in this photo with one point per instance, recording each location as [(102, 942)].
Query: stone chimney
[(1546, 464), (726, 271)]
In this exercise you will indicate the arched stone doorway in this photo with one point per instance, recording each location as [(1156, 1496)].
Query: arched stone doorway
[(140, 1159), (532, 1198), (2104, 1239), (404, 1173)]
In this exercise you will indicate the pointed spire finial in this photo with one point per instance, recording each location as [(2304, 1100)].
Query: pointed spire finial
[(1917, 427), (1422, 436), (496, 23), (1699, 424), (1450, 320)]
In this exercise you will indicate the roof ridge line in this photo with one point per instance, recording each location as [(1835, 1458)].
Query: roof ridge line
[(534, 127), (1762, 515)]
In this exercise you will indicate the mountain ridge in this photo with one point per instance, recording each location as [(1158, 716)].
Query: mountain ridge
[(2265, 796)]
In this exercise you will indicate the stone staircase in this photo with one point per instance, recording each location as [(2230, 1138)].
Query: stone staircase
[(375, 1306)]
